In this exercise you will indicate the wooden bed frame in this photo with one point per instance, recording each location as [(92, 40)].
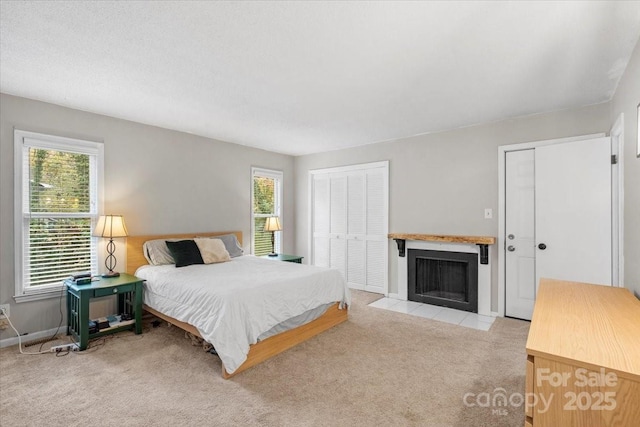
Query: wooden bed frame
[(258, 352)]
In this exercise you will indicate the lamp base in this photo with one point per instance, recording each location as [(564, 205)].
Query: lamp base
[(273, 254), (111, 274)]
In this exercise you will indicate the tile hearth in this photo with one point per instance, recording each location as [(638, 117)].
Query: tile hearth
[(434, 312)]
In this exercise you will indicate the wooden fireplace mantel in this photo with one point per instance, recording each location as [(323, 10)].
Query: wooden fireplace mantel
[(482, 241), (474, 240)]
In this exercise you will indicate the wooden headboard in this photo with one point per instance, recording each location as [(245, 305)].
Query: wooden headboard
[(135, 256)]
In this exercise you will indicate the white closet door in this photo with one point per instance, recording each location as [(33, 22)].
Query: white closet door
[(558, 218), (573, 211), (356, 208), (520, 255), (338, 256), (356, 226), (356, 263), (349, 222), (338, 217), (338, 223), (376, 266), (377, 201), (376, 229), (321, 220), (321, 250)]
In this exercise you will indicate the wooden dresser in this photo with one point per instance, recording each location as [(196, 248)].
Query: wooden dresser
[(583, 357)]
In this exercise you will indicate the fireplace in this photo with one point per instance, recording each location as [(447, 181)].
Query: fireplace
[(444, 278)]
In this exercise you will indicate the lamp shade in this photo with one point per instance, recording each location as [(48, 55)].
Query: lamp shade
[(110, 226), (272, 224)]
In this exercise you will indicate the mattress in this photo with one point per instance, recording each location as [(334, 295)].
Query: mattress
[(236, 303)]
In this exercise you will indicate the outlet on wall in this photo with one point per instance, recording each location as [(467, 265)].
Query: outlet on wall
[(6, 310)]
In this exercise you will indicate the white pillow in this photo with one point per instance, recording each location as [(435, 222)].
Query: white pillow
[(212, 250), (230, 242)]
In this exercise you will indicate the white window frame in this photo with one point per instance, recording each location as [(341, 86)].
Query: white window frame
[(23, 140), (278, 176)]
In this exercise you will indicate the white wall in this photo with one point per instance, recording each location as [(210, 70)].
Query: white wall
[(160, 180), (626, 100), (441, 183)]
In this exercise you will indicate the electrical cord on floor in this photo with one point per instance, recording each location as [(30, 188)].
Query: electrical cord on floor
[(94, 344), (61, 318), (40, 351), (4, 313), (97, 343)]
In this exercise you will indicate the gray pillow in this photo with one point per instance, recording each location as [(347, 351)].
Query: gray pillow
[(157, 252), (231, 243)]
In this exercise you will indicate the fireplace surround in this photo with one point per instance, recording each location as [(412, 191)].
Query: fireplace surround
[(480, 245)]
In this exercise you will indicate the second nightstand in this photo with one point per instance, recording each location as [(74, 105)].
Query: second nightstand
[(288, 258)]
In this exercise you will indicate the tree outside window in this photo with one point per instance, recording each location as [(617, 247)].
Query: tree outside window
[(57, 203), (267, 188)]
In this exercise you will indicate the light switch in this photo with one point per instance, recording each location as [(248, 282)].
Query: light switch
[(488, 213)]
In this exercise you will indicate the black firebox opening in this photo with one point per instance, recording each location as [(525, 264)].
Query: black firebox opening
[(448, 279)]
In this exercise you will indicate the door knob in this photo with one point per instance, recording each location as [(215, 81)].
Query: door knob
[(511, 248), (542, 246)]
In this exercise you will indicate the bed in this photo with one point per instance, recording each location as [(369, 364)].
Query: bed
[(212, 301)]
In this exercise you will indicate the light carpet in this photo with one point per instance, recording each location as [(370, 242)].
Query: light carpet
[(380, 368)]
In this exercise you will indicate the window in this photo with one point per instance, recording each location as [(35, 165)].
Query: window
[(56, 198), (266, 200)]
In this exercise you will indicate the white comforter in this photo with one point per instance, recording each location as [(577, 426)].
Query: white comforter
[(233, 302)]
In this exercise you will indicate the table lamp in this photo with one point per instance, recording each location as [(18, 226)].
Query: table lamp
[(110, 226), (272, 225)]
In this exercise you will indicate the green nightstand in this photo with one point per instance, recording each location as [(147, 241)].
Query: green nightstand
[(128, 288), (287, 258)]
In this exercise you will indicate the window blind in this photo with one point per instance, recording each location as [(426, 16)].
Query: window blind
[(266, 203), (59, 205)]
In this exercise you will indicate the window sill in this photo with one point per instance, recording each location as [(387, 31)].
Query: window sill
[(40, 295)]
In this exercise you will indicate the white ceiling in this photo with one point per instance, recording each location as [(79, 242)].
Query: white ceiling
[(305, 77)]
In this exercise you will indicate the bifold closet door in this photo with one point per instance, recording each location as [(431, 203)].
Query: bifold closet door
[(356, 230), (321, 215), (338, 223), (349, 220), (376, 229)]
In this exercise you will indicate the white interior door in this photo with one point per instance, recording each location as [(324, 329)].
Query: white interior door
[(520, 253), (558, 218), (573, 211)]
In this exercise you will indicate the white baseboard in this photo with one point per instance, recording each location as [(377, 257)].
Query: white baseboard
[(394, 296), (32, 336), (495, 314)]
